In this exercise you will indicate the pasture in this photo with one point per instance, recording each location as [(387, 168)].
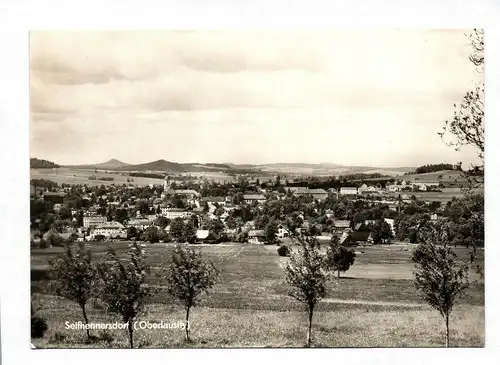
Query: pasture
[(373, 304), (81, 176)]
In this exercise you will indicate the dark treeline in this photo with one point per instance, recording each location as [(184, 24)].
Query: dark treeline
[(145, 174), (36, 163), (328, 182), (431, 168)]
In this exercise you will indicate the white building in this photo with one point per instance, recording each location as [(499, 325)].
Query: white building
[(93, 220), (172, 213), (347, 190), (111, 230), (250, 198), (282, 232)]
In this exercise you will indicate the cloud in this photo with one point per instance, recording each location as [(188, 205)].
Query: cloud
[(307, 95)]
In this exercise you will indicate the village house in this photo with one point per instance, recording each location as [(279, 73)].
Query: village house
[(172, 213), (251, 198), (357, 238), (205, 236), (110, 230), (256, 236), (365, 189), (319, 194), (348, 190), (93, 220), (282, 232), (139, 223), (341, 225)]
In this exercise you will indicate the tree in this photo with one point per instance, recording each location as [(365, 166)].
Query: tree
[(151, 234), (123, 286), (131, 232), (120, 215), (270, 232), (216, 226), (306, 275), (54, 239), (387, 235), (338, 257), (231, 222), (187, 277), (162, 222), (439, 275), (177, 229), (189, 233), (466, 128), (74, 276)]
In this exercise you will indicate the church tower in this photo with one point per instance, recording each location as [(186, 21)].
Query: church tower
[(167, 184)]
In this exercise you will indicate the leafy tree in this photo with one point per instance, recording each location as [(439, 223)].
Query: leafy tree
[(387, 235), (131, 232), (439, 275), (306, 275), (120, 215), (74, 276), (188, 276), (162, 221), (231, 222), (123, 286), (338, 257), (189, 233), (177, 229), (270, 232), (284, 251), (54, 239), (151, 234), (216, 226)]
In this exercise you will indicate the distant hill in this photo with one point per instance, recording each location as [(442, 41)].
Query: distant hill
[(112, 164), (158, 165), (280, 168), (36, 163)]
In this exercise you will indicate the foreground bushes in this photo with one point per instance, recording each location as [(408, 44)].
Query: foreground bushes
[(284, 251)]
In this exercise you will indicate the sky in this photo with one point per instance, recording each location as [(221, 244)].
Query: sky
[(364, 98)]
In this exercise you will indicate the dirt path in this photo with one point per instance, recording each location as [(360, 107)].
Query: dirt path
[(366, 302)]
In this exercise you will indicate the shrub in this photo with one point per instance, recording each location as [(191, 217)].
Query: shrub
[(284, 251), (38, 326)]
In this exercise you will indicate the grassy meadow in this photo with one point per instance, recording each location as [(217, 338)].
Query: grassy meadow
[(374, 304)]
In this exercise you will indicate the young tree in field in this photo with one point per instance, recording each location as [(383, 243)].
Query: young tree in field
[(74, 276), (123, 286), (338, 257), (306, 275), (439, 275), (187, 276)]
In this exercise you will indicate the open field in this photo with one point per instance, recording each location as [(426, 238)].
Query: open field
[(375, 304), (80, 176)]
